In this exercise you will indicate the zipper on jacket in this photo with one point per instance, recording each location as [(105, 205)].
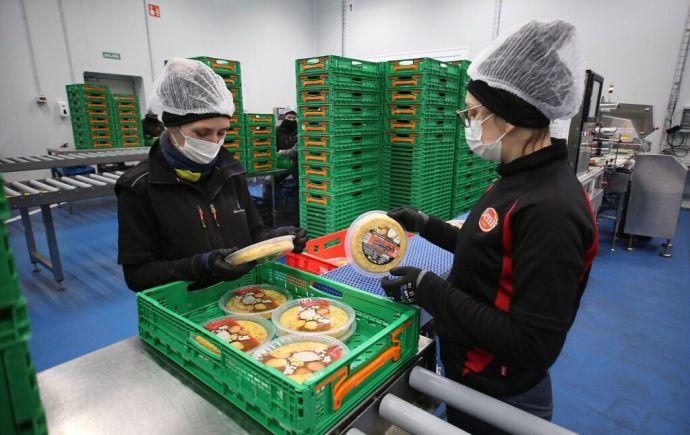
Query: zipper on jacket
[(201, 216), (215, 215)]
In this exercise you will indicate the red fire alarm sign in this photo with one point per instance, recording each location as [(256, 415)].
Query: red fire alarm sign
[(154, 10)]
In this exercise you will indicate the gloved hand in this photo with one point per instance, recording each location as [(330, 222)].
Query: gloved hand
[(404, 288), (300, 234), (410, 218), (214, 263)]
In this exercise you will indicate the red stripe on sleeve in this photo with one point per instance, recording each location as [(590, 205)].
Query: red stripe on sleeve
[(506, 281)]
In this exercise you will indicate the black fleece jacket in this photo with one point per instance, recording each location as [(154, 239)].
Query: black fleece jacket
[(522, 260)]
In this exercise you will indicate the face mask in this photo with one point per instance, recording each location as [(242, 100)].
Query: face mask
[(487, 151), (197, 150)]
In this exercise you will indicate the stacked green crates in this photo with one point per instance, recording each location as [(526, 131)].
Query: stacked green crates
[(421, 96), (229, 70), (339, 146), (20, 404), (260, 142), (472, 175), (91, 111), (235, 138), (128, 120)]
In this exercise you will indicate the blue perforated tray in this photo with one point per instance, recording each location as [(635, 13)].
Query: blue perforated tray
[(421, 253)]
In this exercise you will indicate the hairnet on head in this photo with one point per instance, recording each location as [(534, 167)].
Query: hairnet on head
[(541, 63), (189, 87)]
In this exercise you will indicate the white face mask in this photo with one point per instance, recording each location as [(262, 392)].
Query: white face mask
[(198, 150), (488, 151)]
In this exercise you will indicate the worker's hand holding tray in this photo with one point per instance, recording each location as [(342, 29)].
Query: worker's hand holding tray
[(262, 252), (375, 243)]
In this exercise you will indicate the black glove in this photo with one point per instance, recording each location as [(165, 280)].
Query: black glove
[(404, 288), (410, 218), (300, 234), (214, 263)]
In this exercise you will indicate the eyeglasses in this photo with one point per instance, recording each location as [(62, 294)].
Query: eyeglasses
[(463, 115)]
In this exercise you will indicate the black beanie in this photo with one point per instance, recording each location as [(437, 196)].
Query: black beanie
[(170, 119), (508, 106)]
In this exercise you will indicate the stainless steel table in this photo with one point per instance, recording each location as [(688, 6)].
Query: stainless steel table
[(128, 388)]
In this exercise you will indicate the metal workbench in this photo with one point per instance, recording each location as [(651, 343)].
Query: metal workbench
[(129, 388)]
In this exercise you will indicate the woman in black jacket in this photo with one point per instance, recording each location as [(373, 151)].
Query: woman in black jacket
[(523, 256), (187, 207)]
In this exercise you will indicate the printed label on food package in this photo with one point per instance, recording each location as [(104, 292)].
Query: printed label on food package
[(381, 246)]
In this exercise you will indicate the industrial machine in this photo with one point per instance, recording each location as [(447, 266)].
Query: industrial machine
[(582, 125)]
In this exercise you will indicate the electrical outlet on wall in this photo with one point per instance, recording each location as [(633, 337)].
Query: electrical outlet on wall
[(63, 108)]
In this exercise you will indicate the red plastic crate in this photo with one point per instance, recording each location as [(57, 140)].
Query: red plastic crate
[(322, 254)]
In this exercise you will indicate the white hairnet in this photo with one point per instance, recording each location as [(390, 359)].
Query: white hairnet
[(189, 86), (541, 63)]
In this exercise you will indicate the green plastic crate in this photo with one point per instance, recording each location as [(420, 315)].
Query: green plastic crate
[(331, 158), (338, 127), (284, 162), (232, 80), (385, 340), (260, 143), (339, 142), (264, 154), (336, 64), (21, 411), (340, 172), (339, 96), (424, 96), (341, 201), (14, 317), (260, 131), (424, 138), (334, 80), (222, 67), (420, 124), (355, 183), (411, 110), (234, 132), (422, 65), (421, 81), (335, 112), (257, 166), (259, 119)]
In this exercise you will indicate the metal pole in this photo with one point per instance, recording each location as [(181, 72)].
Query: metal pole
[(667, 246), (29, 235), (56, 264), (481, 406), (412, 419)]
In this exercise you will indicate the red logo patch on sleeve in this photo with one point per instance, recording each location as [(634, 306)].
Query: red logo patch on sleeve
[(488, 220)]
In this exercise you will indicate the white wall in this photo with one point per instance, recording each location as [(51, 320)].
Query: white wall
[(379, 27), (266, 36), (632, 43), (328, 16)]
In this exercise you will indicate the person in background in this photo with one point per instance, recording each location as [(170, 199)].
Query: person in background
[(286, 133), (524, 254), (187, 207), (151, 126)]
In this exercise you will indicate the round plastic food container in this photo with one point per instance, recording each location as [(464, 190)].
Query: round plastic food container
[(314, 316), (375, 243), (256, 299), (300, 356), (243, 332), (262, 252)]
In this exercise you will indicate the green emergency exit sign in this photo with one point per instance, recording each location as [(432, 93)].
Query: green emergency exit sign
[(111, 55)]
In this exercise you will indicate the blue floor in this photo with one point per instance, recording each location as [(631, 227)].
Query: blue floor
[(625, 368)]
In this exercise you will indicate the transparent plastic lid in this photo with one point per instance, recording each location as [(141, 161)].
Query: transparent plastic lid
[(314, 316), (263, 251), (255, 299), (375, 243), (245, 333), (300, 357)]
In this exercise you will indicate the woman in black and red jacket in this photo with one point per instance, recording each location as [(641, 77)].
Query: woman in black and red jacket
[(523, 256)]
